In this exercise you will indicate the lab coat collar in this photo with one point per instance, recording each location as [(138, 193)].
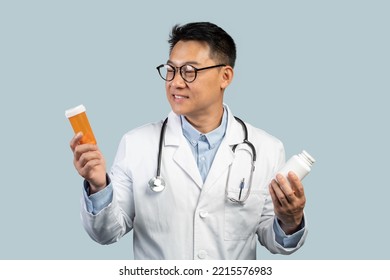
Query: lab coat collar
[(174, 134), (225, 156), (223, 159), (174, 137), (234, 132)]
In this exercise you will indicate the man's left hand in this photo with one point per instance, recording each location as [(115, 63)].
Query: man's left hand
[(289, 201)]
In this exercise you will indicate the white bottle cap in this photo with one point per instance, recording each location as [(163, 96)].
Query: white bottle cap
[(308, 157), (74, 111)]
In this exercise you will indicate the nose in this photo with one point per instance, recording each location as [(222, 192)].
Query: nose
[(178, 80)]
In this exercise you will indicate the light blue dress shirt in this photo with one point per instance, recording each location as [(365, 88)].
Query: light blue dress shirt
[(203, 147)]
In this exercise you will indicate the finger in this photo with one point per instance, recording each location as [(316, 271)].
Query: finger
[(286, 187), (274, 196), (91, 164), (280, 196), (281, 180), (296, 184), (81, 149), (89, 169), (75, 140), (89, 156)]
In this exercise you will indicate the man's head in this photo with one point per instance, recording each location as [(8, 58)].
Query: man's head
[(222, 46), (199, 69)]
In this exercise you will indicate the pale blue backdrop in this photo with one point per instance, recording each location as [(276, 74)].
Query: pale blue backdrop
[(313, 73)]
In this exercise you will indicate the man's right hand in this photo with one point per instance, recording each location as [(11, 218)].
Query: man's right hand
[(89, 163)]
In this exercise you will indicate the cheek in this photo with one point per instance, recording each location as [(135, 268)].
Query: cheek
[(166, 88), (212, 87)]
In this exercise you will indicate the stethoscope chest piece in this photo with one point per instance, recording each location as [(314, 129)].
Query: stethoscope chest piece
[(157, 184)]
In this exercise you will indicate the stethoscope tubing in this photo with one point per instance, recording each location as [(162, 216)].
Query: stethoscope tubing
[(157, 184), (160, 147)]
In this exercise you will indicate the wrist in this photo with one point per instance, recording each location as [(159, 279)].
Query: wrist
[(94, 187), (291, 228)]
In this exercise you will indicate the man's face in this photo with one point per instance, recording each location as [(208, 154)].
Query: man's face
[(204, 96)]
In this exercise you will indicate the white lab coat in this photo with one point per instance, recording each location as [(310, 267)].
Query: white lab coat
[(190, 219)]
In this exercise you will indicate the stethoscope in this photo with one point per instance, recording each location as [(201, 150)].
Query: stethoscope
[(157, 183)]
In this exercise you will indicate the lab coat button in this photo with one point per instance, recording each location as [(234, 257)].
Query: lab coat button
[(203, 214), (202, 254)]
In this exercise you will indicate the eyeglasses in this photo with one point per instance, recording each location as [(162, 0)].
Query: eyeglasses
[(187, 72)]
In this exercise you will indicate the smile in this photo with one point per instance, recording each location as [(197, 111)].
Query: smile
[(179, 96)]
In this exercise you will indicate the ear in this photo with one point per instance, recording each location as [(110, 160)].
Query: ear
[(227, 76)]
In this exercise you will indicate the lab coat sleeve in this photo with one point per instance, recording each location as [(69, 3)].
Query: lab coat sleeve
[(97, 201), (288, 241), (265, 231), (116, 219)]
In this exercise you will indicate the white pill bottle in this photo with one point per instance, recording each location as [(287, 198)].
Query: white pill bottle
[(300, 164)]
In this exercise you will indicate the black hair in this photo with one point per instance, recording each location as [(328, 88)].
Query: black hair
[(221, 44)]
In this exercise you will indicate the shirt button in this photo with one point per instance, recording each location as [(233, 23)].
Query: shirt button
[(203, 214), (193, 142), (202, 254), (203, 158)]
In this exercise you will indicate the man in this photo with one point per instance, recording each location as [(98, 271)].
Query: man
[(220, 195)]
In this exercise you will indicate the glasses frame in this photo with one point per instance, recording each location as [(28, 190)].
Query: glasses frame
[(180, 70)]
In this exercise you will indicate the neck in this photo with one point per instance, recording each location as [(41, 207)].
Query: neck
[(208, 122)]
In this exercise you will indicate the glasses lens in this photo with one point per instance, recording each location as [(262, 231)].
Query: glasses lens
[(166, 72), (188, 73)]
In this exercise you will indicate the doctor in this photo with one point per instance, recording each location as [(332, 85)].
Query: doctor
[(219, 195)]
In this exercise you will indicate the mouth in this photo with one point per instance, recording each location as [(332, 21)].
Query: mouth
[(175, 96)]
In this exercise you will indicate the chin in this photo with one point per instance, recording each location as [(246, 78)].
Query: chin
[(179, 110)]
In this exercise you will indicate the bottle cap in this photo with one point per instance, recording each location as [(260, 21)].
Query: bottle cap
[(74, 111), (308, 157)]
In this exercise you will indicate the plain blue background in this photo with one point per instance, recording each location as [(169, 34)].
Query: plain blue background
[(313, 73)]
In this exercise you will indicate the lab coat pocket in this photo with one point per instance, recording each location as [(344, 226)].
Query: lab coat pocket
[(241, 220)]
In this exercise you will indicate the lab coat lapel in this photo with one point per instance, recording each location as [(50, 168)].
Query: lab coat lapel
[(183, 155), (223, 159), (225, 156)]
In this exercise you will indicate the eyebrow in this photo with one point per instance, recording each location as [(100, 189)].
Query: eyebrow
[(187, 62)]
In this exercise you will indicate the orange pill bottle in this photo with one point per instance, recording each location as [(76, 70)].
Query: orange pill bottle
[(79, 121)]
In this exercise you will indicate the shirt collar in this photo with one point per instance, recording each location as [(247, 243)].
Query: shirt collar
[(212, 138)]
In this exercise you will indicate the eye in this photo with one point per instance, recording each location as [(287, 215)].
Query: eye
[(188, 69), (169, 68)]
